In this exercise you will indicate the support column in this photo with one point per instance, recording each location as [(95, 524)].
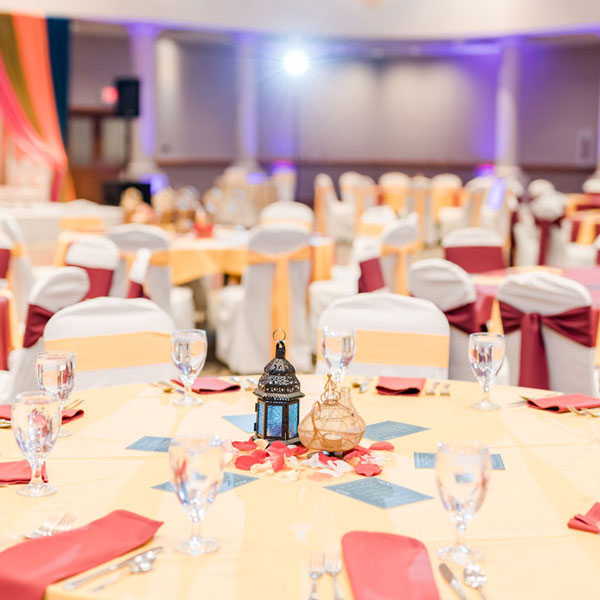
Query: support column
[(507, 116), (142, 165), (247, 113)]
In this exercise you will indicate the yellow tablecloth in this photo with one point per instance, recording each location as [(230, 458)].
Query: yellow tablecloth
[(267, 528)]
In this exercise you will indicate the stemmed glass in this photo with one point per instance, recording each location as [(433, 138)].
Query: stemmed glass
[(462, 472), (338, 350), (196, 474), (486, 355), (36, 420), (188, 353), (56, 374)]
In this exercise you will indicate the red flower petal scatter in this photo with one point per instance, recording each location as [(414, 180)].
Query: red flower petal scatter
[(261, 455), (381, 446), (245, 446), (245, 462), (367, 469), (277, 462)]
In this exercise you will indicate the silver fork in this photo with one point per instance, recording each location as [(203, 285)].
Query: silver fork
[(445, 390), (364, 387), (431, 390), (315, 570), (52, 527), (333, 566)]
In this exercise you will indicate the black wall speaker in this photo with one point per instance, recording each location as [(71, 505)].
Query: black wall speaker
[(128, 104)]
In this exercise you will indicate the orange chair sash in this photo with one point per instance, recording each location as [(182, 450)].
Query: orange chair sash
[(401, 253), (81, 223), (280, 295)]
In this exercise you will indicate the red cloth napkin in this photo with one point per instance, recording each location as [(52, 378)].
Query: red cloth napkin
[(28, 568), (588, 522), (67, 415), (384, 566), (17, 471), (211, 385), (560, 404), (396, 386)]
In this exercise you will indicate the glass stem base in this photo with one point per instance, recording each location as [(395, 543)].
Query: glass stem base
[(195, 546), (37, 490), (460, 554)]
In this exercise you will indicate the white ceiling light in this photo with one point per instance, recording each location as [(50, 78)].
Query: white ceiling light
[(295, 62)]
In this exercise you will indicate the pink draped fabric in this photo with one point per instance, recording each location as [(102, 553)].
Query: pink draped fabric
[(578, 324), (5, 337), (476, 259)]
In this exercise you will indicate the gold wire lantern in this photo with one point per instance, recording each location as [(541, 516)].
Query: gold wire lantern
[(333, 424)]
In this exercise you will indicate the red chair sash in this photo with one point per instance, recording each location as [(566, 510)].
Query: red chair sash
[(471, 317), (4, 262), (136, 290), (4, 332), (100, 281), (37, 317), (476, 259), (544, 227), (514, 219), (577, 324), (371, 277)]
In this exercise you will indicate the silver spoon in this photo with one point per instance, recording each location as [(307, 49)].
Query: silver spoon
[(364, 387), (137, 566), (475, 578)]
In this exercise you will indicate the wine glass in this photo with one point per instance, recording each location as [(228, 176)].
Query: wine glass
[(56, 374), (338, 350), (35, 423), (462, 472), (188, 353), (486, 355), (196, 474)]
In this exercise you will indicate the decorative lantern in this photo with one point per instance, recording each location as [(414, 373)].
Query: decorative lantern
[(333, 424), (278, 394)]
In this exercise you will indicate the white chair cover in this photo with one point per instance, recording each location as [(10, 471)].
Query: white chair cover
[(284, 181), (447, 286), (398, 234), (62, 287), (420, 202), (571, 366), (176, 301), (295, 213), (244, 334), (472, 236), (395, 335), (540, 187), (21, 272), (592, 185), (395, 188), (115, 340), (446, 180)]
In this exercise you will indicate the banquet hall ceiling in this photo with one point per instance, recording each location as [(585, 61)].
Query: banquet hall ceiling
[(392, 19)]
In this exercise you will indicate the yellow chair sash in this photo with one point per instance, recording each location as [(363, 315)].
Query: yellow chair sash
[(373, 229), (399, 348), (15, 338), (394, 196), (116, 351), (81, 223), (323, 257), (319, 208), (401, 253), (280, 295), (306, 224)]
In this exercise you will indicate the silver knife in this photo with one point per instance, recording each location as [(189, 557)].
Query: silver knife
[(76, 583), (448, 575)]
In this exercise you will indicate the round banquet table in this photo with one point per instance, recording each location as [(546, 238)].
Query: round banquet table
[(267, 528)]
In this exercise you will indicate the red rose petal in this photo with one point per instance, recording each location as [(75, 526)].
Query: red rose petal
[(381, 446), (362, 450), (277, 462), (280, 448), (352, 455), (260, 455), (298, 450), (325, 459), (367, 469), (245, 462), (277, 444), (244, 446)]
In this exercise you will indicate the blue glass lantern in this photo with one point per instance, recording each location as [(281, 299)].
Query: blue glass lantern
[(278, 391)]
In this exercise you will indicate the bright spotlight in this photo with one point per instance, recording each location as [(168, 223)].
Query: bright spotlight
[(295, 62)]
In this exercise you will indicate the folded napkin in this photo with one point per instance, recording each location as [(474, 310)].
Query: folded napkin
[(561, 404), (211, 385), (17, 471), (28, 568), (396, 386), (67, 415), (387, 567), (588, 522)]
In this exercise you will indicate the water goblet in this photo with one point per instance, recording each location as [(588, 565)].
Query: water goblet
[(462, 472), (486, 355), (55, 373), (196, 473), (36, 418), (188, 353), (337, 345)]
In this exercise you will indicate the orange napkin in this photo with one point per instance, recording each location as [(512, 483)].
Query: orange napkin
[(67, 415), (211, 385), (17, 471), (560, 404), (588, 522), (385, 566), (396, 386), (28, 568)]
